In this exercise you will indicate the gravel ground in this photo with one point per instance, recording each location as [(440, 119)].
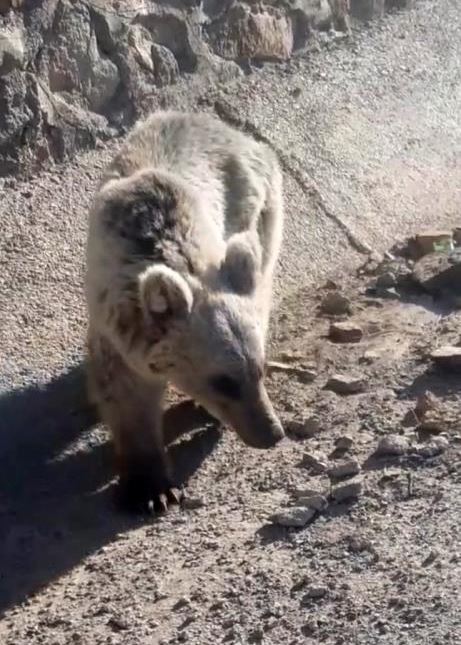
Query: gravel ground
[(369, 132)]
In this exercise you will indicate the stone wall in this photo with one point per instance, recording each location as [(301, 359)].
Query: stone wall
[(75, 71)]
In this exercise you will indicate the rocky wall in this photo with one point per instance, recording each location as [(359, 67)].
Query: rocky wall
[(73, 72)]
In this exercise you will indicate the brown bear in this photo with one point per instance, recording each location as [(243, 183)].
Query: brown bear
[(184, 235)]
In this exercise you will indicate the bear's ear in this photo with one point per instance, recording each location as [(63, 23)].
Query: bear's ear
[(164, 292), (242, 264)]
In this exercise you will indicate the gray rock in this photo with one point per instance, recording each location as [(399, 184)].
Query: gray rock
[(336, 304), (432, 448), (103, 79), (315, 592), (310, 492), (349, 490), (12, 53), (386, 280), (346, 468), (439, 273), (393, 445), (317, 502), (315, 462), (304, 428), (303, 374), (166, 69), (110, 28), (345, 332), (346, 384), (447, 357), (193, 503), (258, 35), (296, 516), (344, 443)]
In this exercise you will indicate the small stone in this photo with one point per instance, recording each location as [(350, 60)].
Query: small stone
[(296, 516), (315, 592), (393, 445), (344, 443), (386, 280), (439, 273), (317, 502), (347, 468), (304, 428), (315, 462), (336, 304), (447, 357), (437, 446), (345, 332), (349, 490), (431, 241), (345, 384)]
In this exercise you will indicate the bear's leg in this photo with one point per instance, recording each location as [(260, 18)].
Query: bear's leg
[(132, 408)]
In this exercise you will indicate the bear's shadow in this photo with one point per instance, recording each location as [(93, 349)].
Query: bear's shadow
[(56, 480)]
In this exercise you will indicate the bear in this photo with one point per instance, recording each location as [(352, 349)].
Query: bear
[(183, 239)]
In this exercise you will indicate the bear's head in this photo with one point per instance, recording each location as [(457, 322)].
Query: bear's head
[(211, 343)]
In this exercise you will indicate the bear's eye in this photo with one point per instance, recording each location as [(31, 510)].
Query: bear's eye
[(226, 386)]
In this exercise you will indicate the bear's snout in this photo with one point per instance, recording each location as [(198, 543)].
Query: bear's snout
[(255, 421), (264, 437)]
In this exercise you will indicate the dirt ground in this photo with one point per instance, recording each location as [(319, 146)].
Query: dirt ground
[(379, 133), (384, 567)]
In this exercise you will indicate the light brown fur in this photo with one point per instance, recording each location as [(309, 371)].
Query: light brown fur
[(183, 240)]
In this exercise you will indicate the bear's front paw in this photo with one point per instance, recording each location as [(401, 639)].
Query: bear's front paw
[(142, 489)]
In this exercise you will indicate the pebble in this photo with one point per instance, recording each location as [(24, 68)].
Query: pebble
[(317, 502), (336, 304), (345, 332), (296, 516), (349, 490), (304, 428), (316, 462), (345, 384), (393, 445), (346, 468)]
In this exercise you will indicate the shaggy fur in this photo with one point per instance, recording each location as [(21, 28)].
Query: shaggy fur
[(184, 235)]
